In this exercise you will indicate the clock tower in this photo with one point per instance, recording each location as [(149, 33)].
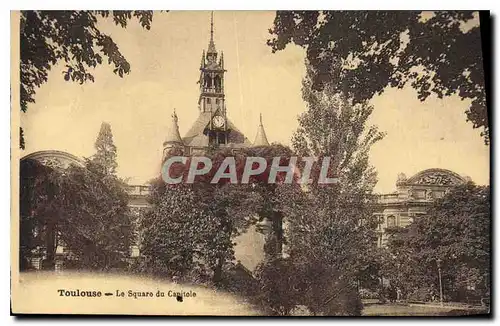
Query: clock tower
[(213, 127), (212, 97)]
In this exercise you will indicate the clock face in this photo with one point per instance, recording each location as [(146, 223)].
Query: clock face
[(218, 121)]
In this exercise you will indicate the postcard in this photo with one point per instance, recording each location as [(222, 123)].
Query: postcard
[(250, 163)]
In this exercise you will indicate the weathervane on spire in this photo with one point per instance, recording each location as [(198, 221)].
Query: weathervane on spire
[(174, 116)]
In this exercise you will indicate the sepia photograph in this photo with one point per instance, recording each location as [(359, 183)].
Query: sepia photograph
[(250, 163)]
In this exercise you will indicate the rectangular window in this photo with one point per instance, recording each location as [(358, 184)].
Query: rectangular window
[(221, 138)]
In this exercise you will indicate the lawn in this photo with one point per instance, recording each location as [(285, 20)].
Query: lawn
[(403, 310)]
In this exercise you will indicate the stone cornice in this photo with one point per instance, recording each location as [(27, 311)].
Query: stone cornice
[(60, 156)]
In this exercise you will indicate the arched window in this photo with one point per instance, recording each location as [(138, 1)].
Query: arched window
[(217, 82), (208, 81), (391, 221)]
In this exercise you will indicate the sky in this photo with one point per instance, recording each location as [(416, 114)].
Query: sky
[(165, 68)]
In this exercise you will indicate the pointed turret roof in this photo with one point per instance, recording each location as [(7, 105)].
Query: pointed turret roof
[(173, 135), (261, 138), (211, 44), (202, 63), (221, 60)]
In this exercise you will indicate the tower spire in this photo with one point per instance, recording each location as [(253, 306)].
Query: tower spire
[(211, 45), (202, 64), (212, 27)]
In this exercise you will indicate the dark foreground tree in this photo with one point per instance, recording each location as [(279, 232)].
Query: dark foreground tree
[(83, 208), (78, 208), (96, 207), (274, 198), (366, 51), (173, 232), (72, 37), (400, 267), (331, 232), (456, 231), (279, 282), (36, 232), (190, 229)]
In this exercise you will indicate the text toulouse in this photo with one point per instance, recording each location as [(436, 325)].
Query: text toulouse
[(254, 166)]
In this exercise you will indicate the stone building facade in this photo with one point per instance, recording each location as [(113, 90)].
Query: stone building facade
[(412, 198)]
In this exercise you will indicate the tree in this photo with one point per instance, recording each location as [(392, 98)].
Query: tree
[(456, 230), (275, 196), (48, 37), (75, 207), (332, 229), (36, 185), (400, 267), (279, 286), (172, 232), (366, 51), (234, 208), (192, 226), (83, 208), (105, 156), (95, 222)]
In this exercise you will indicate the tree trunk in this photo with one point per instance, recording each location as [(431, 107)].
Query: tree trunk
[(226, 229), (278, 234), (217, 278), (50, 246)]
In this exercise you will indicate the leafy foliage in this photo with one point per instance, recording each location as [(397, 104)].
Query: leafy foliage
[(34, 178), (73, 37), (455, 230), (332, 126), (21, 138), (78, 208), (329, 226), (105, 156), (278, 279), (333, 231), (287, 283), (274, 197), (196, 223), (85, 209), (366, 51), (173, 232)]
